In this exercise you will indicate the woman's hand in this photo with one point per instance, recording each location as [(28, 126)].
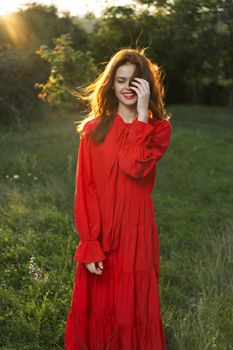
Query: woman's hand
[(142, 90), (92, 268)]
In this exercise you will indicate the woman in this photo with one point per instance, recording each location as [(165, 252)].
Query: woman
[(115, 301)]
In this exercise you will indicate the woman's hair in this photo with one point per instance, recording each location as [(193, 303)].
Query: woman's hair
[(103, 101)]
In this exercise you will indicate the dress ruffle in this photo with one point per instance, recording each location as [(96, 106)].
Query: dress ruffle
[(118, 310), (89, 251)]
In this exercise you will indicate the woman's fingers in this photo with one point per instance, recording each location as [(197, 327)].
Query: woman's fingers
[(142, 85), (100, 263), (92, 268)]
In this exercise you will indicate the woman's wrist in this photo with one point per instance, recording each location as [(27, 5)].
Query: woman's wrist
[(143, 118)]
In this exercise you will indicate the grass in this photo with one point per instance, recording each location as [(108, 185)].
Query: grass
[(193, 207)]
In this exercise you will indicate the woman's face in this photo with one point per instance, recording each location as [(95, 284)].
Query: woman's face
[(123, 92)]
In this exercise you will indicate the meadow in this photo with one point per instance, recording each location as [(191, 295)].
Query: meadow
[(193, 201)]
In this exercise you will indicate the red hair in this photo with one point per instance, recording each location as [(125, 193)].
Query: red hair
[(101, 97)]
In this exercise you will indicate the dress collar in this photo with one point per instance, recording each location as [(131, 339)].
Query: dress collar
[(119, 117)]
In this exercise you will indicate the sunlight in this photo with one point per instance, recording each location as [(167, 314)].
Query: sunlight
[(76, 8), (8, 6), (16, 27), (13, 27)]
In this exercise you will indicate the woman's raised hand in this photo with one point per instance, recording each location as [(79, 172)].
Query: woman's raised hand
[(92, 268), (142, 89)]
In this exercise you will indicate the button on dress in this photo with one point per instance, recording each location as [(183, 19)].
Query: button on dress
[(114, 218)]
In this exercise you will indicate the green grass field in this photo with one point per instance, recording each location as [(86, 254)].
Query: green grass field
[(193, 200)]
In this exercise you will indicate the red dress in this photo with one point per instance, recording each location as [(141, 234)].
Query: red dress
[(114, 217)]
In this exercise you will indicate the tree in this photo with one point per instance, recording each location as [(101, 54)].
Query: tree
[(117, 28), (69, 69), (198, 36)]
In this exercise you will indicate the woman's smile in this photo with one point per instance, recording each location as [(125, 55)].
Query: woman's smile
[(125, 95), (129, 95)]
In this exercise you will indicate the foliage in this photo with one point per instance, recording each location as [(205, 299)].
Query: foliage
[(36, 24), (16, 84), (191, 40), (196, 46), (118, 27), (21, 34), (68, 67)]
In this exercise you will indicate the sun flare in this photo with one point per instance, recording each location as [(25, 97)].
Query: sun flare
[(74, 7), (8, 7)]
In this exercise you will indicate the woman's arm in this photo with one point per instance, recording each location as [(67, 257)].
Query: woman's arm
[(146, 144), (86, 206)]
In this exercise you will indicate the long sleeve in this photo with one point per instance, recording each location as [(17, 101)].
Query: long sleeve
[(86, 207), (146, 144)]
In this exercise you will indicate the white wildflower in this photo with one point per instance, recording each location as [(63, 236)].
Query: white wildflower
[(34, 271)]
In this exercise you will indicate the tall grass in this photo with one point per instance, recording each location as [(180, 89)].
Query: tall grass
[(193, 202)]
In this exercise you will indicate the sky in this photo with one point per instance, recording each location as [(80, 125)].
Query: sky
[(75, 7)]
